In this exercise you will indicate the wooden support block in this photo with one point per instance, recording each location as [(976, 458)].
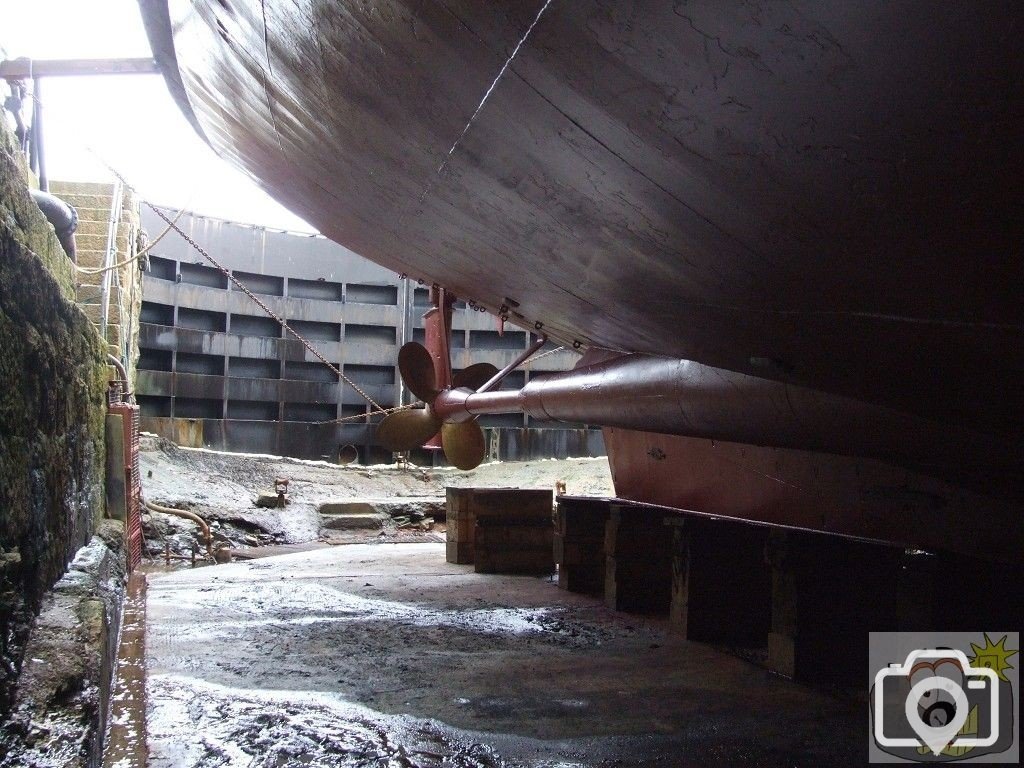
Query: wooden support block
[(500, 530), (588, 580), (582, 518), (828, 593), (461, 526), (679, 608), (580, 525), (514, 537), (572, 552), (525, 561), (514, 548), (721, 585), (459, 552), (638, 561)]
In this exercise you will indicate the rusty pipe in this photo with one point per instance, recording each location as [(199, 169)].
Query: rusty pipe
[(681, 397), (123, 373), (208, 539), (120, 369)]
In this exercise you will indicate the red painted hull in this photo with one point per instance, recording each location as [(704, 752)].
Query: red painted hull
[(834, 494)]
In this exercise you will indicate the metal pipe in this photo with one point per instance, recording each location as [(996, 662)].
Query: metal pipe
[(681, 397), (120, 369), (62, 216), (23, 67), (503, 401), (39, 143), (496, 378), (207, 538)]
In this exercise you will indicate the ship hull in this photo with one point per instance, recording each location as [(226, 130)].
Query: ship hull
[(824, 195)]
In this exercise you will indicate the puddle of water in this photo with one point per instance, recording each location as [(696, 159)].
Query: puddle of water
[(126, 738)]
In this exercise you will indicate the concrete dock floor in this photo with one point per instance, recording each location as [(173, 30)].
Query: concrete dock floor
[(387, 655)]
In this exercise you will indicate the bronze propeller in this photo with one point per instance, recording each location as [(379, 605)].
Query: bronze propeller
[(463, 441)]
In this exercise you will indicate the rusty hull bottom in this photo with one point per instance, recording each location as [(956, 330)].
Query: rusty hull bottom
[(820, 492)]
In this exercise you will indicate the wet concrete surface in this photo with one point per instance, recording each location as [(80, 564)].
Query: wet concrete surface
[(368, 655), (126, 739)]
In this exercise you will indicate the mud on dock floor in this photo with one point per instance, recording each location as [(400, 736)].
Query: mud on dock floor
[(222, 488), (386, 655)]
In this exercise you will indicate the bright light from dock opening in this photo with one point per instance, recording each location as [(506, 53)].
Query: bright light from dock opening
[(130, 120)]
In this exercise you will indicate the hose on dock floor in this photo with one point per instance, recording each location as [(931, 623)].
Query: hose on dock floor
[(208, 539)]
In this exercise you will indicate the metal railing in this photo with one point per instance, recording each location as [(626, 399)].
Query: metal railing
[(110, 258)]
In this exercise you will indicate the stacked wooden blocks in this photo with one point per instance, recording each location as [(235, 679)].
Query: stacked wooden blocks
[(501, 530), (579, 543), (638, 572)]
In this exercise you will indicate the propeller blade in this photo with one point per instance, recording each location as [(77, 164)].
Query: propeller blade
[(463, 444), (417, 369), (475, 376), (405, 430)]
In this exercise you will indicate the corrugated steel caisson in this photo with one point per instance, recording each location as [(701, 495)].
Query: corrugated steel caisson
[(815, 203)]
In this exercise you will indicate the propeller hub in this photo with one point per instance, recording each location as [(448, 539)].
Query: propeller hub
[(450, 405)]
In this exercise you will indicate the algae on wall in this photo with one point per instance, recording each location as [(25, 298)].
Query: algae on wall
[(53, 379), (22, 216)]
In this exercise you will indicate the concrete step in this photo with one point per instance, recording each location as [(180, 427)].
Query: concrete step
[(99, 242), (349, 522), (88, 294), (95, 312), (62, 188), (101, 214), (90, 258), (94, 259), (87, 201), (88, 227), (86, 195)]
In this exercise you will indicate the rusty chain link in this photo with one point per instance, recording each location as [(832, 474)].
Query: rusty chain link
[(173, 224), (379, 412), (281, 321)]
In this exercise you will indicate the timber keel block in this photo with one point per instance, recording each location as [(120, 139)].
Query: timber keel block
[(721, 584), (828, 594), (638, 561), (580, 525), (500, 530), (461, 526)]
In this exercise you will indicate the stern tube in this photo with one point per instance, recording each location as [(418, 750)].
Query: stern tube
[(682, 397)]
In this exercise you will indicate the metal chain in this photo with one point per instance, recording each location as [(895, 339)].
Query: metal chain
[(379, 412), (259, 303), (202, 251), (378, 409)]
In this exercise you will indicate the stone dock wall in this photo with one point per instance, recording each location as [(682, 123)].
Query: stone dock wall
[(61, 562)]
